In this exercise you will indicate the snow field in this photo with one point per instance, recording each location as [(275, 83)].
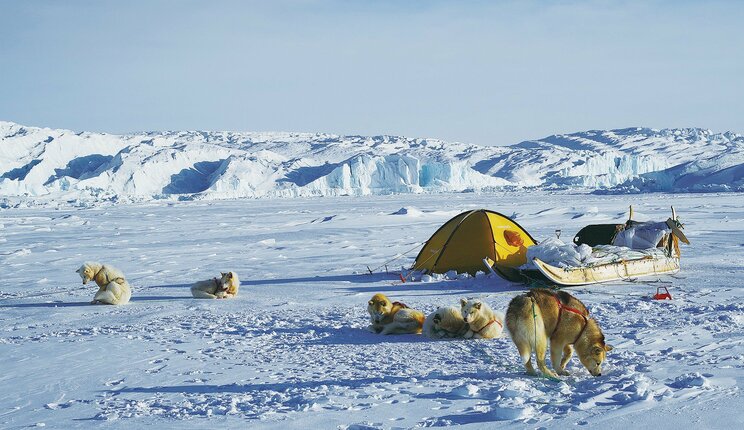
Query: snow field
[(291, 351)]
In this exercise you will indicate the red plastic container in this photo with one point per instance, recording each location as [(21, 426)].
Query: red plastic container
[(662, 296)]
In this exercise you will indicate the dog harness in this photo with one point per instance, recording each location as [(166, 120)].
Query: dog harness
[(402, 305), (118, 280), (489, 323), (561, 307)]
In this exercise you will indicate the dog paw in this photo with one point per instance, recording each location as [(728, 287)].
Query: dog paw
[(550, 374)]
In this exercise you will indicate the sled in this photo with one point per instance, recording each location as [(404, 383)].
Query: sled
[(621, 270), (666, 263)]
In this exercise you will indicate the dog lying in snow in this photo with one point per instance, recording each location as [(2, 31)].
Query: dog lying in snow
[(483, 322), (113, 288), (445, 323), (224, 287), (562, 319), (388, 317)]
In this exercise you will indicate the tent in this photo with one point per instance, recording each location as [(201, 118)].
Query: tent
[(463, 242)]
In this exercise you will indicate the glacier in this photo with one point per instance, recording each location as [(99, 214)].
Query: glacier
[(45, 166)]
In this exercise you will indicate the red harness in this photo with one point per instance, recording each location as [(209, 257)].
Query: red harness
[(489, 323), (561, 307)]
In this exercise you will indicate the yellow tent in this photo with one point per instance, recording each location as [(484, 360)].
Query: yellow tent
[(463, 242)]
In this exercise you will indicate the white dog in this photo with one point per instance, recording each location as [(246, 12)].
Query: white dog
[(113, 288), (446, 322), (224, 287), (483, 322)]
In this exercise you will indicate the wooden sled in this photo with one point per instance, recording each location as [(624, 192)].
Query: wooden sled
[(621, 270), (615, 271)]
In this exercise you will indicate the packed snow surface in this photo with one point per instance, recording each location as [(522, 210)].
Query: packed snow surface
[(292, 350), (41, 165)]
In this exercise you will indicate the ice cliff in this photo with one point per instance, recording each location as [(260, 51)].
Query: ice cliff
[(41, 164)]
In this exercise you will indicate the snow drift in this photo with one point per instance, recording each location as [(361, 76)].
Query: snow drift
[(40, 164)]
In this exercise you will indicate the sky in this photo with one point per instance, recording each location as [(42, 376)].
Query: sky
[(483, 72)]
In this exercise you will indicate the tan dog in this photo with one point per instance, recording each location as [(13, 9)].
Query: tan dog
[(483, 322), (226, 286), (388, 317), (445, 323), (541, 314), (113, 288)]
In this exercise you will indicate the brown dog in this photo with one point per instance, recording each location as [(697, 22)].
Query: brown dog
[(388, 317), (542, 314)]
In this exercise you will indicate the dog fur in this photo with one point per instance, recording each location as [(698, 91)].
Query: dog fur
[(387, 317), (113, 288), (483, 322), (224, 287), (531, 333), (445, 323)]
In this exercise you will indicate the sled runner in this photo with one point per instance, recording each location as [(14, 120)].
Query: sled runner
[(621, 270)]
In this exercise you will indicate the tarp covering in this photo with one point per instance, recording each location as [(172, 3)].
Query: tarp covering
[(642, 235), (566, 255), (463, 242)]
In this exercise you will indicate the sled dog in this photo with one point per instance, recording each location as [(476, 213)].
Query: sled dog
[(224, 287), (113, 288), (388, 317), (483, 322), (542, 315), (446, 322)]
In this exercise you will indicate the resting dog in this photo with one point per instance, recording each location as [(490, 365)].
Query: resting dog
[(445, 323), (224, 287), (388, 317), (541, 314), (113, 288), (483, 322)]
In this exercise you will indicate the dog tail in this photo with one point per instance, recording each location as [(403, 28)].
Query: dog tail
[(524, 321)]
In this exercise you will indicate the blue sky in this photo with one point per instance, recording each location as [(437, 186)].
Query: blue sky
[(470, 71)]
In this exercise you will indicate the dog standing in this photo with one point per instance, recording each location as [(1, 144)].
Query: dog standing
[(445, 323), (226, 286), (388, 317), (483, 322), (113, 288), (542, 315)]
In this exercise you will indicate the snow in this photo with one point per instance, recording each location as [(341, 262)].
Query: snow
[(41, 166), (291, 351)]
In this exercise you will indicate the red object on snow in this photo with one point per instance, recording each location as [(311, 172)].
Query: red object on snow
[(662, 296), (402, 278)]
